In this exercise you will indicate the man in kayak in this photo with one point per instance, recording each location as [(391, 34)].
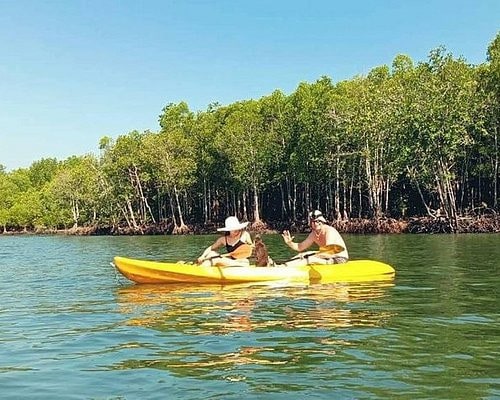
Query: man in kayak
[(332, 248), (237, 242)]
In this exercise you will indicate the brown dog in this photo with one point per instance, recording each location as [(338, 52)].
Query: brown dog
[(261, 253)]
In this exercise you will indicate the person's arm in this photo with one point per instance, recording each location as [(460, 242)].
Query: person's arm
[(217, 244), (305, 244), (333, 238), (246, 238), (205, 253)]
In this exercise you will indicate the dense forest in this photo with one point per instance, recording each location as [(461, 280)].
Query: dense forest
[(383, 152)]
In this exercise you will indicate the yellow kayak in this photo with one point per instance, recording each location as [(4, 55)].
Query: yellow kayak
[(144, 271)]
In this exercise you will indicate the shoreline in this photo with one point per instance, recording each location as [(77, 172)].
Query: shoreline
[(480, 224)]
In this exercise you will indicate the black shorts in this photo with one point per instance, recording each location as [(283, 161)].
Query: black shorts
[(329, 260), (337, 260)]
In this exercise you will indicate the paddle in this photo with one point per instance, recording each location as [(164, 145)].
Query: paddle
[(243, 251), (330, 249)]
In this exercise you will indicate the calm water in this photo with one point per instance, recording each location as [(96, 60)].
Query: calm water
[(71, 328)]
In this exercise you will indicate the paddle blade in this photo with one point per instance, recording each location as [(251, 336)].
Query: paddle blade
[(331, 249), (243, 251)]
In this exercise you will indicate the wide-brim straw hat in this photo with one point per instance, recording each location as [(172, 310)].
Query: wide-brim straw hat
[(232, 224)]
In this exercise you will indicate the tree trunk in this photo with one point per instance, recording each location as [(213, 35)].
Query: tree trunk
[(496, 172), (307, 197), (245, 208), (256, 211), (283, 202), (205, 201), (132, 217), (76, 213), (144, 205), (446, 194), (181, 228), (125, 215), (338, 214)]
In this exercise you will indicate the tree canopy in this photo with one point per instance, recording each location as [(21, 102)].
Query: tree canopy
[(410, 139)]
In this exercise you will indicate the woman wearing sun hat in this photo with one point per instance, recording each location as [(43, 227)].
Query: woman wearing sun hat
[(234, 236), (332, 248)]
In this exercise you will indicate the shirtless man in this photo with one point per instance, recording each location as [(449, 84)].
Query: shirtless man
[(332, 248)]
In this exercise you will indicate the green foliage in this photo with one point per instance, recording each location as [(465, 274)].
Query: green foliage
[(41, 172), (308, 130), (75, 191), (415, 137)]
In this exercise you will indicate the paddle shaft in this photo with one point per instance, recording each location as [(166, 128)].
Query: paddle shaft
[(243, 251), (331, 249)]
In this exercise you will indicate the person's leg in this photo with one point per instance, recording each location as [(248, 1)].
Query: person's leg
[(313, 260), (308, 259), (296, 262), (229, 262)]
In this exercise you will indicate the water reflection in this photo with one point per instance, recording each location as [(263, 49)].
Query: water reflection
[(266, 327), (219, 309)]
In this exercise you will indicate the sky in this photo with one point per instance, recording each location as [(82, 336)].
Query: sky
[(73, 71)]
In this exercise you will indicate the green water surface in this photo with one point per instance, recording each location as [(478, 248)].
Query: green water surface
[(72, 328)]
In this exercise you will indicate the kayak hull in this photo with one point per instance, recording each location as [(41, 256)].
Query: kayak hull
[(146, 271)]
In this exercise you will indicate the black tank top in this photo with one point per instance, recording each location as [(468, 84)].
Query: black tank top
[(230, 248)]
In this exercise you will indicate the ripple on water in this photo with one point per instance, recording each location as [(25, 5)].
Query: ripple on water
[(70, 328)]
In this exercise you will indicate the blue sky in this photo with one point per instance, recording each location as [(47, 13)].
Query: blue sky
[(73, 71)]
